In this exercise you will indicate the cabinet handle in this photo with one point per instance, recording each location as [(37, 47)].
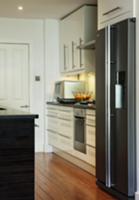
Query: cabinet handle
[(73, 58), (81, 64), (112, 10), (25, 106), (65, 63)]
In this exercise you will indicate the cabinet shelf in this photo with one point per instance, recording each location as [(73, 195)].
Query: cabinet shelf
[(89, 45)]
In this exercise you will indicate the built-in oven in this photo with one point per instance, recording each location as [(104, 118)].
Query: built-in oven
[(79, 130)]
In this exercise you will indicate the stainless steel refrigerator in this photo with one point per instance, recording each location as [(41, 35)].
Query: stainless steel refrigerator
[(115, 109)]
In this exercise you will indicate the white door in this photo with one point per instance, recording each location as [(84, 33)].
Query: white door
[(14, 76)]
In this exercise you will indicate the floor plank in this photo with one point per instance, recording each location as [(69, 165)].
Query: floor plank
[(57, 179)]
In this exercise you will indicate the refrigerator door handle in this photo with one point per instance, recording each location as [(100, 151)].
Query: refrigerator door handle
[(107, 109)]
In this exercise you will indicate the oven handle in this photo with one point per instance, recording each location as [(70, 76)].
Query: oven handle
[(79, 117)]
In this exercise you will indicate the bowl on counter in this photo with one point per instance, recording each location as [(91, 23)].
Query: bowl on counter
[(82, 96)]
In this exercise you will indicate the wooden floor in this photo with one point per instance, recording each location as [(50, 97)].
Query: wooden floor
[(57, 179)]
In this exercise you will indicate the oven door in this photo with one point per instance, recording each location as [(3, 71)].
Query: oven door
[(79, 134)]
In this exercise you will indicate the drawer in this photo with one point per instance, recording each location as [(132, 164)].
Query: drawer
[(52, 124), (65, 144), (90, 112), (91, 155), (91, 120), (65, 115), (53, 139), (51, 112), (91, 136), (65, 128)]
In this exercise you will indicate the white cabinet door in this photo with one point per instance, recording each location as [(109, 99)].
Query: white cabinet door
[(65, 47), (75, 30), (14, 76), (111, 11)]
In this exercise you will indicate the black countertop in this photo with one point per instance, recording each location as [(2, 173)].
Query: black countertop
[(12, 113), (76, 105)]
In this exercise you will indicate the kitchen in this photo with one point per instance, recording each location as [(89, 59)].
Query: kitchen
[(57, 52)]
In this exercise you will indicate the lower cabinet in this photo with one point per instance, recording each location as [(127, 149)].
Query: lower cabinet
[(60, 130)]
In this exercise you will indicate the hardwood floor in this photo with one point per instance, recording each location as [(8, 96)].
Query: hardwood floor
[(57, 179)]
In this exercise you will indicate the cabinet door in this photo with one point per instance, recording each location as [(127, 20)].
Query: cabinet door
[(76, 25), (64, 46), (111, 11)]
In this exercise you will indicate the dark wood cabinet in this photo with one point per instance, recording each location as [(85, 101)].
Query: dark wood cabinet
[(17, 158)]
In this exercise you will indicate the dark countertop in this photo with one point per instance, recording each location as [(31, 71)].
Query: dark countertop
[(76, 105), (12, 113)]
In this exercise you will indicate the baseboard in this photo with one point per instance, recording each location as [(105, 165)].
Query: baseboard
[(137, 195), (85, 166), (48, 149)]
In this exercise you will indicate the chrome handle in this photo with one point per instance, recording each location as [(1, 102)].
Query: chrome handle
[(73, 64), (112, 10), (65, 67), (108, 109), (36, 125), (81, 64), (25, 106)]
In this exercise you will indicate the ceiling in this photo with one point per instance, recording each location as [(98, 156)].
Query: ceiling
[(39, 9)]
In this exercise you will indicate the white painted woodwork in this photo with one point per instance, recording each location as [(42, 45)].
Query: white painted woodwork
[(91, 136), (111, 11), (76, 29), (14, 76), (59, 120), (60, 129), (91, 156)]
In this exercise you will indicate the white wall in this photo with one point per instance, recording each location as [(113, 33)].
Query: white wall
[(51, 63), (31, 32)]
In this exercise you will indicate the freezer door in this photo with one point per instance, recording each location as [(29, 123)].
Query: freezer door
[(100, 107)]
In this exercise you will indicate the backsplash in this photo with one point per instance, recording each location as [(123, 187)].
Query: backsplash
[(89, 79)]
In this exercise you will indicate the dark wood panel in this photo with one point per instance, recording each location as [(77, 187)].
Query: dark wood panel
[(17, 159), (57, 179)]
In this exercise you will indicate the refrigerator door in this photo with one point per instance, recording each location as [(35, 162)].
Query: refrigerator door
[(100, 107), (123, 107), (115, 109)]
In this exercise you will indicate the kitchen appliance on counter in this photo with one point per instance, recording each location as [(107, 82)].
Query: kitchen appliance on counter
[(79, 130), (65, 90), (115, 109)]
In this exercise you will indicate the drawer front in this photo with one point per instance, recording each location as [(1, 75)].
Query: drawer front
[(53, 139), (52, 124), (65, 128), (91, 112), (91, 136), (91, 120), (65, 115), (65, 144), (91, 156)]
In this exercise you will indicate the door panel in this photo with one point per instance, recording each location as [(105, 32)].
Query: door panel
[(100, 107), (14, 76), (120, 120)]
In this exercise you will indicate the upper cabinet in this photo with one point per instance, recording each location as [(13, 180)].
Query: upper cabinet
[(111, 11), (77, 34)]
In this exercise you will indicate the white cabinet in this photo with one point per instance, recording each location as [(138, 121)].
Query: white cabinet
[(111, 11), (59, 120), (77, 29), (60, 130)]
